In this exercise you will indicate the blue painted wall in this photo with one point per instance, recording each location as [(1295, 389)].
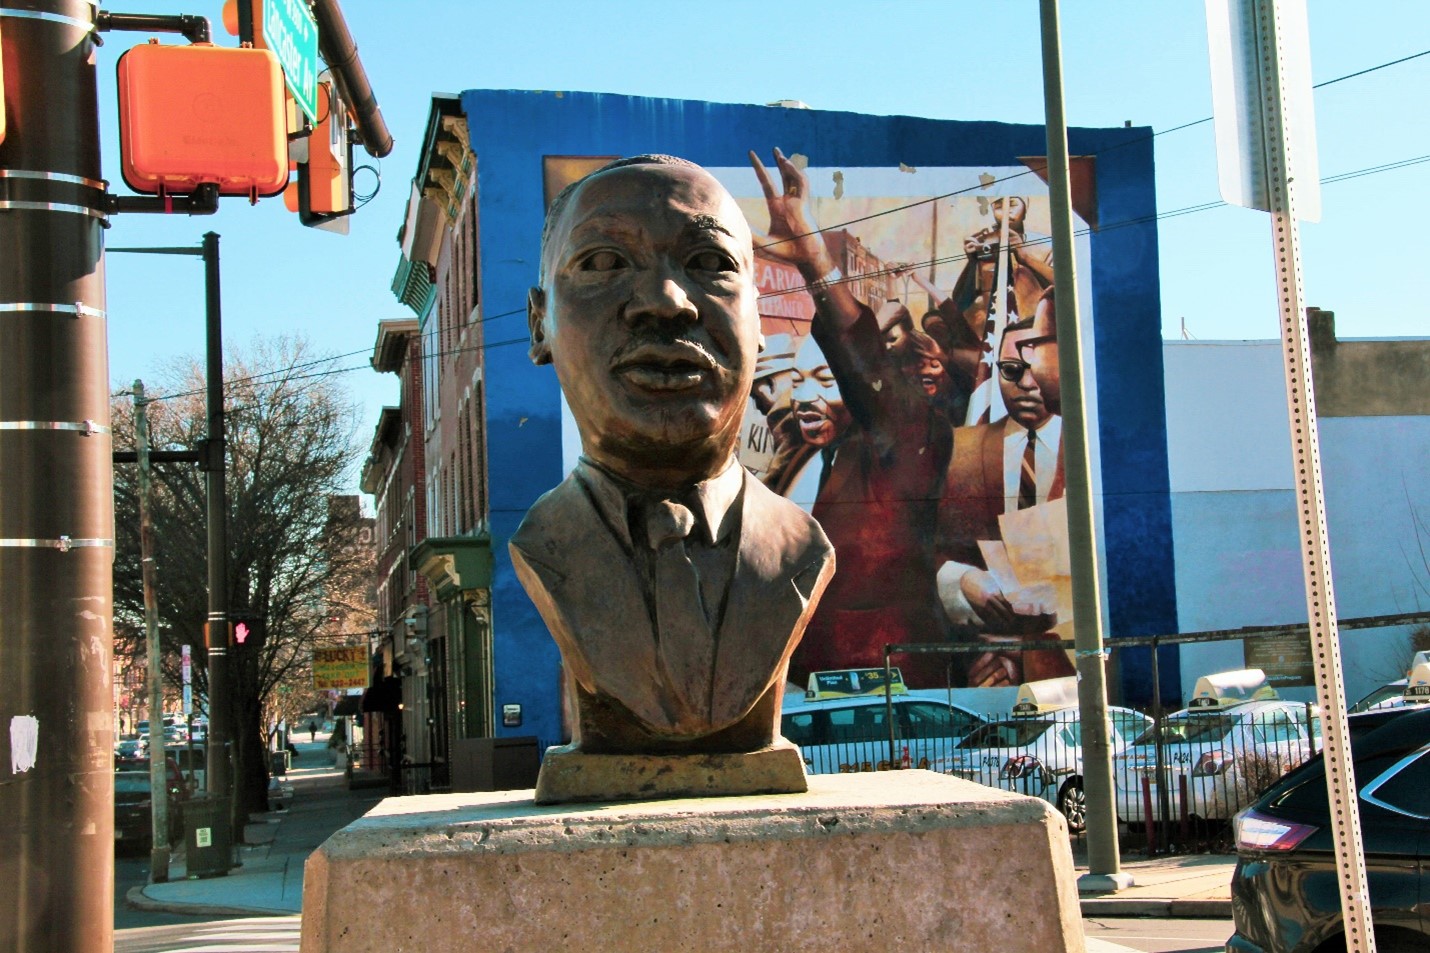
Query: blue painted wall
[(512, 130)]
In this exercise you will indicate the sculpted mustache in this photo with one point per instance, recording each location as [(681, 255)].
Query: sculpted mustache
[(644, 350)]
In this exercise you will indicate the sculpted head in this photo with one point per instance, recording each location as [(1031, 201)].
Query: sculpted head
[(647, 308)]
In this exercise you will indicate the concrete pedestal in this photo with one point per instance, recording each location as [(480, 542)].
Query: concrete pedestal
[(904, 860)]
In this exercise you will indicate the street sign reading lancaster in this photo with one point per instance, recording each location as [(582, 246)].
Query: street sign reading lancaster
[(290, 31), (339, 668)]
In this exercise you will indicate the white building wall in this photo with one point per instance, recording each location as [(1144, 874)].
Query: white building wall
[(1234, 521)]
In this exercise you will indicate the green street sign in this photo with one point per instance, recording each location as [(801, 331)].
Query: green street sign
[(290, 31)]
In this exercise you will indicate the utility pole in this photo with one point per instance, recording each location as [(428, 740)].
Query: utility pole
[(158, 768), (56, 501), (1104, 866)]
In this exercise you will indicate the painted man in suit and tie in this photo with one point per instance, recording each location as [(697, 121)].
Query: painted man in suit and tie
[(1003, 467), (675, 585)]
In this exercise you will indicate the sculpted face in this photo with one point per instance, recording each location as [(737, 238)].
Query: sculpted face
[(1021, 395), (648, 313)]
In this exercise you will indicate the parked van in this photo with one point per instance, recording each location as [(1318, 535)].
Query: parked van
[(193, 765)]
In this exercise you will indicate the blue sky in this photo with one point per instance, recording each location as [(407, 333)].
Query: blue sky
[(1138, 60)]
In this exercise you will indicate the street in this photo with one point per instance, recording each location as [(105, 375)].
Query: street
[(247, 935), (132, 870), (1161, 936)]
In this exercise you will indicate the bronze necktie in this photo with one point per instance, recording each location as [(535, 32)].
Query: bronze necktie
[(1027, 479), (686, 645)]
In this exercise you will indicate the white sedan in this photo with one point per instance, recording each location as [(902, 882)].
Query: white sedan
[(1227, 756), (1038, 754)]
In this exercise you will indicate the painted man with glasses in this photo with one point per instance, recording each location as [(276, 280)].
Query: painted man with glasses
[(1000, 468)]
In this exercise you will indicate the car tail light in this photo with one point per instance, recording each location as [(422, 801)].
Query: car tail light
[(1022, 766), (1256, 831), (1212, 763)]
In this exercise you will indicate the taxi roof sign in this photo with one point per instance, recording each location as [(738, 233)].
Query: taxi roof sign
[(1225, 689), (1417, 683), (848, 682), (1046, 695)]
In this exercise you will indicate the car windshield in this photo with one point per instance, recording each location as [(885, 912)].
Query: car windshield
[(1385, 693), (1006, 734), (131, 782), (1189, 729)]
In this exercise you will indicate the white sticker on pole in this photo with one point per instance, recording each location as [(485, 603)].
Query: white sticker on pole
[(24, 742), (1244, 115)]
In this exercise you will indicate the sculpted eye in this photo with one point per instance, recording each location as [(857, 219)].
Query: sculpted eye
[(711, 260), (603, 261)]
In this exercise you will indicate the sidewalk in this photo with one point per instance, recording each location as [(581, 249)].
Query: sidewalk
[(1187, 886), (269, 879)]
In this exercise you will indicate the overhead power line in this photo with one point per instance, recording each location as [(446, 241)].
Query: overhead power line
[(284, 374)]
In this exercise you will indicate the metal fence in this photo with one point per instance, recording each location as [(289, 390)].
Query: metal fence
[(1188, 774), (426, 778)]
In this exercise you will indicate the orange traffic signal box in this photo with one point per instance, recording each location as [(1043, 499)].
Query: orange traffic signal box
[(190, 115)]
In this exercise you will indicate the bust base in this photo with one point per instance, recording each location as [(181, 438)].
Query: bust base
[(861, 863), (569, 774)]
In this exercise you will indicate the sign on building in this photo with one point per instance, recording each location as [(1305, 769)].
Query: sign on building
[(340, 668)]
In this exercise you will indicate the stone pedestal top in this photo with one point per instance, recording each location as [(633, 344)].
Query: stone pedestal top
[(893, 860)]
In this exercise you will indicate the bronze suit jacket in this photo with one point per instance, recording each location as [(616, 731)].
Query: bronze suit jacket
[(588, 590)]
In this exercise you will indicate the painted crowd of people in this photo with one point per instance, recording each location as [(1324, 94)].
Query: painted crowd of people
[(919, 445)]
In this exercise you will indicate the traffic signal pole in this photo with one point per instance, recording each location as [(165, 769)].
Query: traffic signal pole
[(218, 633), (56, 501)]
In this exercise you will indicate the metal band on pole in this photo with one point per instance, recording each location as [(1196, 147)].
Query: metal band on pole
[(77, 310), (87, 25)]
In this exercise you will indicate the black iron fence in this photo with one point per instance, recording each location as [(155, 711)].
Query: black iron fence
[(1177, 780), (425, 778)]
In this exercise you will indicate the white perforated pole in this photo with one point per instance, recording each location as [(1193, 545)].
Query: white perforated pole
[(1310, 500)]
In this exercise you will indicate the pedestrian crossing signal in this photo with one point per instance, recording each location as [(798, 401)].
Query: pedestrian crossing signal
[(202, 114)]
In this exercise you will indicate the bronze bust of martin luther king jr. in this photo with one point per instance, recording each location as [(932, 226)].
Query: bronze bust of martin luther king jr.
[(675, 584)]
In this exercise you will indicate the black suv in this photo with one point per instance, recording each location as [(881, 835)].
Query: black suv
[(1284, 894)]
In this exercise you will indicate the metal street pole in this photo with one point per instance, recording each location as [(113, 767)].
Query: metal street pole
[(211, 458), (1104, 868), (218, 633), (158, 769), (56, 502), (1285, 194)]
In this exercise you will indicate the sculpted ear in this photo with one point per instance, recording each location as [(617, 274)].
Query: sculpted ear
[(536, 321)]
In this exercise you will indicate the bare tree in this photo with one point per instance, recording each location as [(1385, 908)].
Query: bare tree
[(291, 429)]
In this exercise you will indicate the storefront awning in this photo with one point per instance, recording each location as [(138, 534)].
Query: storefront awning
[(348, 705), (384, 695)]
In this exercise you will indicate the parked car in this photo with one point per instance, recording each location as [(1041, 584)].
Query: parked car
[(133, 810), (1414, 689), (841, 732), (1235, 738), (1038, 749), (177, 780), (1285, 897), (131, 748)]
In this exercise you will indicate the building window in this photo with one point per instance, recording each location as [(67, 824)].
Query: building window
[(431, 368)]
